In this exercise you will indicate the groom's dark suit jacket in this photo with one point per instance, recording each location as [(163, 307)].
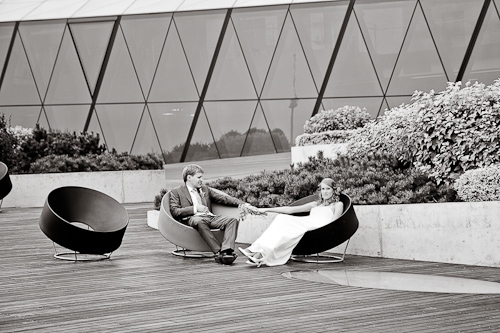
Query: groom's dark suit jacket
[(181, 205)]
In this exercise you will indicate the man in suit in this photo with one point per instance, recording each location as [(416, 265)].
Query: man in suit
[(191, 204)]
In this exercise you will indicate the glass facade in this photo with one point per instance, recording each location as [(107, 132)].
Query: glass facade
[(237, 79)]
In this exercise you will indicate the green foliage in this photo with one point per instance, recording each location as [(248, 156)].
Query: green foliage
[(8, 142), (158, 197), (344, 118), (481, 184), (93, 162), (372, 179), (327, 137), (460, 129), (393, 133)]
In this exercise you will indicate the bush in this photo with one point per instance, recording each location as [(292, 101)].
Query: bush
[(93, 162), (480, 184), (8, 142), (372, 179), (394, 133), (344, 118), (460, 129), (328, 137), (157, 201)]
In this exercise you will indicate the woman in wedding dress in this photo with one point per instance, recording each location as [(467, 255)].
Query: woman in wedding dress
[(275, 245)]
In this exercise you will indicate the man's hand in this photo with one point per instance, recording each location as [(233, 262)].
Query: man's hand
[(202, 209)]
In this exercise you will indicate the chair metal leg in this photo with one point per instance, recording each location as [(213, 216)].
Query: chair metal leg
[(1, 201), (76, 256), (321, 258), (181, 252)]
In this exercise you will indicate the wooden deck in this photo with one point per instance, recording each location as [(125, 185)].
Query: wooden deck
[(143, 288)]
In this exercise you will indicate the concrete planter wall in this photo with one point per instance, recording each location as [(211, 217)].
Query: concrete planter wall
[(301, 153), (458, 232), (124, 186)]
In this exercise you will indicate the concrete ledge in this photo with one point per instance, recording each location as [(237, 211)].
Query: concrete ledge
[(124, 186), (458, 232)]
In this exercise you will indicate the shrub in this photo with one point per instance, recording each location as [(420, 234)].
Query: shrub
[(8, 142), (157, 201), (460, 129), (344, 118), (328, 137), (372, 179), (393, 133), (93, 162), (481, 184)]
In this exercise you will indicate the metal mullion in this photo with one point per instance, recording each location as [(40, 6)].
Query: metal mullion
[(400, 49), (205, 86), (369, 54), (9, 53), (79, 58), (303, 51), (473, 39), (30, 68), (433, 41), (66, 26), (102, 71), (343, 28)]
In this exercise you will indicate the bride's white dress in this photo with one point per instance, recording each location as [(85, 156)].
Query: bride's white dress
[(278, 241)]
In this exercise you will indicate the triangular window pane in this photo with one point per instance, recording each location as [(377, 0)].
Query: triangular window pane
[(67, 117), (289, 75), (372, 104), (318, 26), (230, 134), (145, 36), (418, 66), (484, 64), (67, 84), (25, 116), (173, 122), (353, 73), (258, 140), (258, 31), (173, 80), (199, 33), (42, 120), (397, 101), (146, 140), (120, 83), (41, 41), (287, 117), (119, 124), (5, 37), (91, 40), (384, 26), (202, 145), (18, 86), (452, 28), (230, 78)]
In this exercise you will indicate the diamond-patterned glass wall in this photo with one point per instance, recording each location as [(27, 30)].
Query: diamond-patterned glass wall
[(237, 82)]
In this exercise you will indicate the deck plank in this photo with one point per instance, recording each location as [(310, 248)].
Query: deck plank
[(144, 288)]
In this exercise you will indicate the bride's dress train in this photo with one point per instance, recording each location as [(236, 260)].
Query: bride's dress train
[(278, 241)]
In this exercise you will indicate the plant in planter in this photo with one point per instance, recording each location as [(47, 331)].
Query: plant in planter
[(481, 184), (332, 126)]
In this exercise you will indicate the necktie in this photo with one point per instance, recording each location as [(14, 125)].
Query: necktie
[(197, 196)]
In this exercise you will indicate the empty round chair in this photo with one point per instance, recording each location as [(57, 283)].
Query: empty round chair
[(329, 236), (5, 183), (105, 221)]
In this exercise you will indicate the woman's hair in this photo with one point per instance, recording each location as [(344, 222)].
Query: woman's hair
[(336, 192), (191, 170)]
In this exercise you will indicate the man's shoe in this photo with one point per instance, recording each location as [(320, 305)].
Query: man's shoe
[(228, 259)]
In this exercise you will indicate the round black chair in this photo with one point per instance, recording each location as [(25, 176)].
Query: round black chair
[(5, 183), (327, 237), (103, 218)]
